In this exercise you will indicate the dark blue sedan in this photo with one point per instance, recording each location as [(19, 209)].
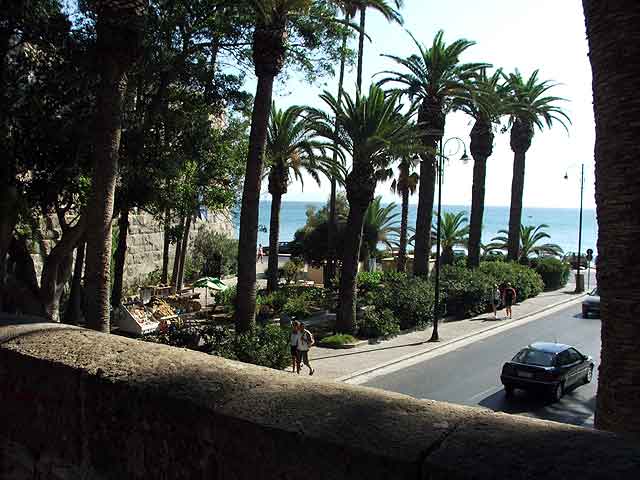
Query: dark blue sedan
[(549, 368)]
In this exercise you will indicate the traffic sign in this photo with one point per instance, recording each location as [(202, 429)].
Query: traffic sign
[(589, 254)]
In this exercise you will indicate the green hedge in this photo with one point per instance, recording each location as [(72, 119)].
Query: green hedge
[(523, 279), (467, 292), (409, 299), (554, 272), (337, 340), (376, 323)]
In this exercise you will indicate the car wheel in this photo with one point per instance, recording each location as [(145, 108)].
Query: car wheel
[(557, 392), (589, 375), (509, 390), (585, 313)]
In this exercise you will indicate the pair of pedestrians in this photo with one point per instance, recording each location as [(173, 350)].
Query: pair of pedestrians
[(301, 342), (506, 295)]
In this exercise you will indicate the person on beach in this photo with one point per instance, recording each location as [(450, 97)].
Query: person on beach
[(295, 335), (305, 342), (260, 253), (495, 300), (509, 298)]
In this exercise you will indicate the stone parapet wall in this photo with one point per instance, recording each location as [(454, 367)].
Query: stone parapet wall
[(81, 404)]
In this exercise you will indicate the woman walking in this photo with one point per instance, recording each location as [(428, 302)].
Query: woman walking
[(509, 299), (495, 300), (295, 335), (305, 342)]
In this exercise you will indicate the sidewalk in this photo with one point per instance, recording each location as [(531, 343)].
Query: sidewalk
[(343, 365)]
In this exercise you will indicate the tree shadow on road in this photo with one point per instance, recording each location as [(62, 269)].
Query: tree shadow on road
[(574, 408)]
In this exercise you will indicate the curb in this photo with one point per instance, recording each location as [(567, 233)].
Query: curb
[(351, 376)]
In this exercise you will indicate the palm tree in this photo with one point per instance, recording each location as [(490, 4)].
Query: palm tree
[(371, 130), (615, 83), (454, 232), (290, 149), (350, 8), (404, 185), (380, 226), (530, 107), (433, 78), (485, 104), (119, 28), (269, 48), (530, 236)]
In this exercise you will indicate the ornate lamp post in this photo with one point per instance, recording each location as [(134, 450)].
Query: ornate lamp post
[(440, 170)]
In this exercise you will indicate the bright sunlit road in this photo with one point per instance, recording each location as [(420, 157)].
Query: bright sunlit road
[(471, 375)]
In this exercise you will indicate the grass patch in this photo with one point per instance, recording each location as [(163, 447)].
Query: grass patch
[(337, 340)]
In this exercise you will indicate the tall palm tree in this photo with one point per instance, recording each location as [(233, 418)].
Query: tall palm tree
[(404, 185), (454, 232), (380, 226), (433, 78), (531, 107), (610, 28), (530, 236), (290, 149), (371, 130), (350, 8), (269, 49), (485, 103), (120, 29)]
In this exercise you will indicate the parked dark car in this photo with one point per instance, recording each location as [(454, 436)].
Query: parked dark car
[(572, 258), (283, 248), (591, 303), (548, 368)]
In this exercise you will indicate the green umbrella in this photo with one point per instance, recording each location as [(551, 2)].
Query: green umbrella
[(212, 283)]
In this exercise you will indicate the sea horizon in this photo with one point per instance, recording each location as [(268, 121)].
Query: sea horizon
[(562, 221)]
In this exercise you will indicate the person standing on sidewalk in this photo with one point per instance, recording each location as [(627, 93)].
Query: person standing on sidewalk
[(495, 301), (260, 253), (295, 335), (305, 342), (509, 299)]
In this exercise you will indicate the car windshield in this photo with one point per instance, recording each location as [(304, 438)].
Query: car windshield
[(530, 356), (595, 292)]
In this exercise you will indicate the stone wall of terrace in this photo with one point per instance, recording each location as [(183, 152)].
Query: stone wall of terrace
[(77, 404)]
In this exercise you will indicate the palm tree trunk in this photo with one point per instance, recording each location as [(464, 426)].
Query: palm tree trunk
[(119, 36), (404, 224), (120, 256), (177, 256), (183, 253), (477, 210), (274, 232), (346, 318), (426, 191), (363, 11), (366, 256), (515, 212), (73, 314), (246, 297), (164, 277), (610, 28), (330, 267)]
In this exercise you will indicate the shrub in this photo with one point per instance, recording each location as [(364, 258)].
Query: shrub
[(276, 300), (337, 340), (376, 323), (267, 346), (467, 292), (368, 281), (214, 254), (523, 279), (409, 299), (292, 269), (297, 307), (226, 297), (554, 272)]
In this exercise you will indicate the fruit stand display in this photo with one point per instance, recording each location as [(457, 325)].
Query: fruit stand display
[(139, 319)]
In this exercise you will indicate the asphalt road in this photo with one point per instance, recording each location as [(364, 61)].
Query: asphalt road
[(471, 374)]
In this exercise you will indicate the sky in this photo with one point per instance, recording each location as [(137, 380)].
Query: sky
[(548, 35)]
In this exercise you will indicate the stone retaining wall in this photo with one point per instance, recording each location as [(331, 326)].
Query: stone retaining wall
[(145, 242), (81, 404)]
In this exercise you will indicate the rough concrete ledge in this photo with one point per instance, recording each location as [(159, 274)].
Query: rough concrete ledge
[(81, 404)]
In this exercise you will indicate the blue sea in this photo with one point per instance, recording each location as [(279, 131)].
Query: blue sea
[(563, 222)]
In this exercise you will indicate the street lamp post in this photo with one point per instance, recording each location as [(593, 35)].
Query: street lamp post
[(579, 276), (440, 167)]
